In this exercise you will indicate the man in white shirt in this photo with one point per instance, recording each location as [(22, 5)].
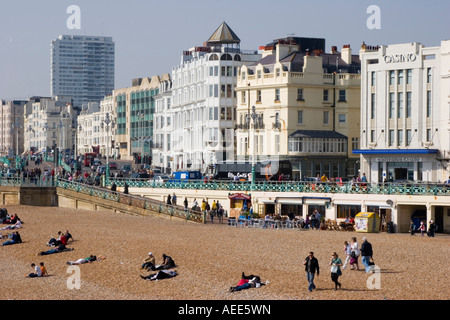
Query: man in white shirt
[(37, 271)]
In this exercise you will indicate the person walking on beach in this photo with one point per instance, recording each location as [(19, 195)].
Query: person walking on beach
[(348, 251), (335, 264), (354, 255), (185, 204), (311, 268), (174, 199), (366, 254), (422, 228)]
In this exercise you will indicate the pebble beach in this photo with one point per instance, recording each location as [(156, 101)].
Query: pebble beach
[(210, 259)]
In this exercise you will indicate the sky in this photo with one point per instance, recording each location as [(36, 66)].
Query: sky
[(150, 36)]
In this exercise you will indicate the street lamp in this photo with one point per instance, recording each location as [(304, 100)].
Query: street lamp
[(254, 117), (106, 123), (45, 128)]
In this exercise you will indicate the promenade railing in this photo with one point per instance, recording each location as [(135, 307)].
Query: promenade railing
[(131, 200), (394, 188), (397, 188)]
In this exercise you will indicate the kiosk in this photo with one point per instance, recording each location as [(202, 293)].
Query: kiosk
[(367, 222)]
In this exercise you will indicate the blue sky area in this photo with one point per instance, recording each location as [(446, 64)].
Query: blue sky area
[(150, 36)]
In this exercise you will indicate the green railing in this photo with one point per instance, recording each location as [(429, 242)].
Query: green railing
[(132, 200), (417, 189), (435, 189)]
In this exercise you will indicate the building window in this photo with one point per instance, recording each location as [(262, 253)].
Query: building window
[(400, 137), (428, 104), (258, 96), (243, 75), (372, 107), (342, 96), (391, 78), (300, 117), (258, 73), (277, 72), (277, 144), (372, 136), (400, 105), (243, 96), (342, 118), (299, 94), (325, 117), (325, 95), (429, 75), (355, 143), (277, 94), (391, 105), (408, 104), (400, 77), (428, 135), (408, 137), (373, 78), (391, 138), (408, 76)]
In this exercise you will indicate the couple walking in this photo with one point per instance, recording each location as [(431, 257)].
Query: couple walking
[(352, 251), (312, 267)]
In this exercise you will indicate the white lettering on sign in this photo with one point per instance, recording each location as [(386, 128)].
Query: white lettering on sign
[(401, 57), (405, 159)]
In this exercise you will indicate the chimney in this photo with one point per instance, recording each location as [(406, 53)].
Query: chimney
[(334, 50), (284, 49), (346, 54)]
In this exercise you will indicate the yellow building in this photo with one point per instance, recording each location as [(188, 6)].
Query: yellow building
[(306, 107)]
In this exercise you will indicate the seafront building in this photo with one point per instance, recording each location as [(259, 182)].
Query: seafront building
[(163, 127), (11, 128), (301, 104), (82, 67), (135, 108), (204, 101), (50, 123), (96, 127), (405, 102)]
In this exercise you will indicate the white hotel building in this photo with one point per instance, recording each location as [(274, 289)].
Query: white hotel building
[(405, 119), (204, 101)]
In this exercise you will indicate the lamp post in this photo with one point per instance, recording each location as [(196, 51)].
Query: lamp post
[(254, 117), (60, 126), (106, 123), (45, 128)]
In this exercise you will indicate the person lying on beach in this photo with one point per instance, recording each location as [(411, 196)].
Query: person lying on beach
[(16, 225), (89, 259), (162, 274), (59, 249), (247, 282), (15, 238)]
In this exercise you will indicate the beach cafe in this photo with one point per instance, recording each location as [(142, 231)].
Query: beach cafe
[(239, 203)]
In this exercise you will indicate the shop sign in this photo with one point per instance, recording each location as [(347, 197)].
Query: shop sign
[(401, 57), (239, 196), (402, 159)]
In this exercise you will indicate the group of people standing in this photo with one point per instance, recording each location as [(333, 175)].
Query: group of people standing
[(352, 252), (216, 209), (423, 229)]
